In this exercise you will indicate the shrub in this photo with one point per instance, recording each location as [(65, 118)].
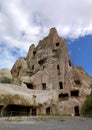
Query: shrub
[(6, 80), (87, 106)]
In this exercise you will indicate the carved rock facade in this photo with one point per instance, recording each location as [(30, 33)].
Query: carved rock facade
[(49, 77)]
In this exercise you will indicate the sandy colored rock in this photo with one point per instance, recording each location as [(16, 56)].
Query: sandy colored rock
[(5, 73), (48, 78)]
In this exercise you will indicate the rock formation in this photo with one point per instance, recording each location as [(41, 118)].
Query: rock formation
[(5, 73), (48, 78)]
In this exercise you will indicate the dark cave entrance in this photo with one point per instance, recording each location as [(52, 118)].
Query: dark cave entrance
[(16, 110), (76, 110), (29, 85), (34, 52), (43, 86), (57, 44), (48, 111), (34, 112), (60, 85), (75, 93), (41, 62), (1, 106), (63, 96)]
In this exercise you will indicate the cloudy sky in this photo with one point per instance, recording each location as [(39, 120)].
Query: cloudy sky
[(24, 22)]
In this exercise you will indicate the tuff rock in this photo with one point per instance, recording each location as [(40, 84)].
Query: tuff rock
[(46, 82)]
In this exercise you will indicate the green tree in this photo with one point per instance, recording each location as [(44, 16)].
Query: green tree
[(87, 106)]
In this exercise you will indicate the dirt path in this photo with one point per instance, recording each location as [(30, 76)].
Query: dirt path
[(46, 124)]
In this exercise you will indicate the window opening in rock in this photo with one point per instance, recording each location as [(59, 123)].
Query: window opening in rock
[(34, 112), (1, 107), (43, 86), (48, 111), (34, 53), (29, 85), (32, 67), (41, 62), (60, 85), (70, 63), (75, 93), (16, 110), (63, 95), (58, 69), (77, 82), (76, 110), (57, 44)]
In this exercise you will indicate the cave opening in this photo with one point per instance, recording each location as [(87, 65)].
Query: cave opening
[(63, 95), (75, 93), (57, 44), (43, 86), (34, 52), (76, 109), (1, 107), (60, 85), (48, 111), (33, 111), (29, 85), (16, 110)]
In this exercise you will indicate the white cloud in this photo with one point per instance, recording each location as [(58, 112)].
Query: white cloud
[(23, 22)]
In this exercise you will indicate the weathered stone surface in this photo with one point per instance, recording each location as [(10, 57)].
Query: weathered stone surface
[(5, 73), (49, 78)]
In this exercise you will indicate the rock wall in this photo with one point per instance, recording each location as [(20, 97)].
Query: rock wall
[(48, 73)]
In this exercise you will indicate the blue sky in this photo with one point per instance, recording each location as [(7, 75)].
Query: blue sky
[(24, 22), (81, 52)]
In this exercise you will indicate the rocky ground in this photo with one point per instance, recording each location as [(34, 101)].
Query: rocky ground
[(45, 123)]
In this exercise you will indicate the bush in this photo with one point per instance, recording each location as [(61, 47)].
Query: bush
[(6, 80), (87, 106)]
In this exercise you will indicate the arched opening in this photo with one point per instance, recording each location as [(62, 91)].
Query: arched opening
[(75, 93), (16, 110), (48, 111), (29, 85), (76, 110)]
